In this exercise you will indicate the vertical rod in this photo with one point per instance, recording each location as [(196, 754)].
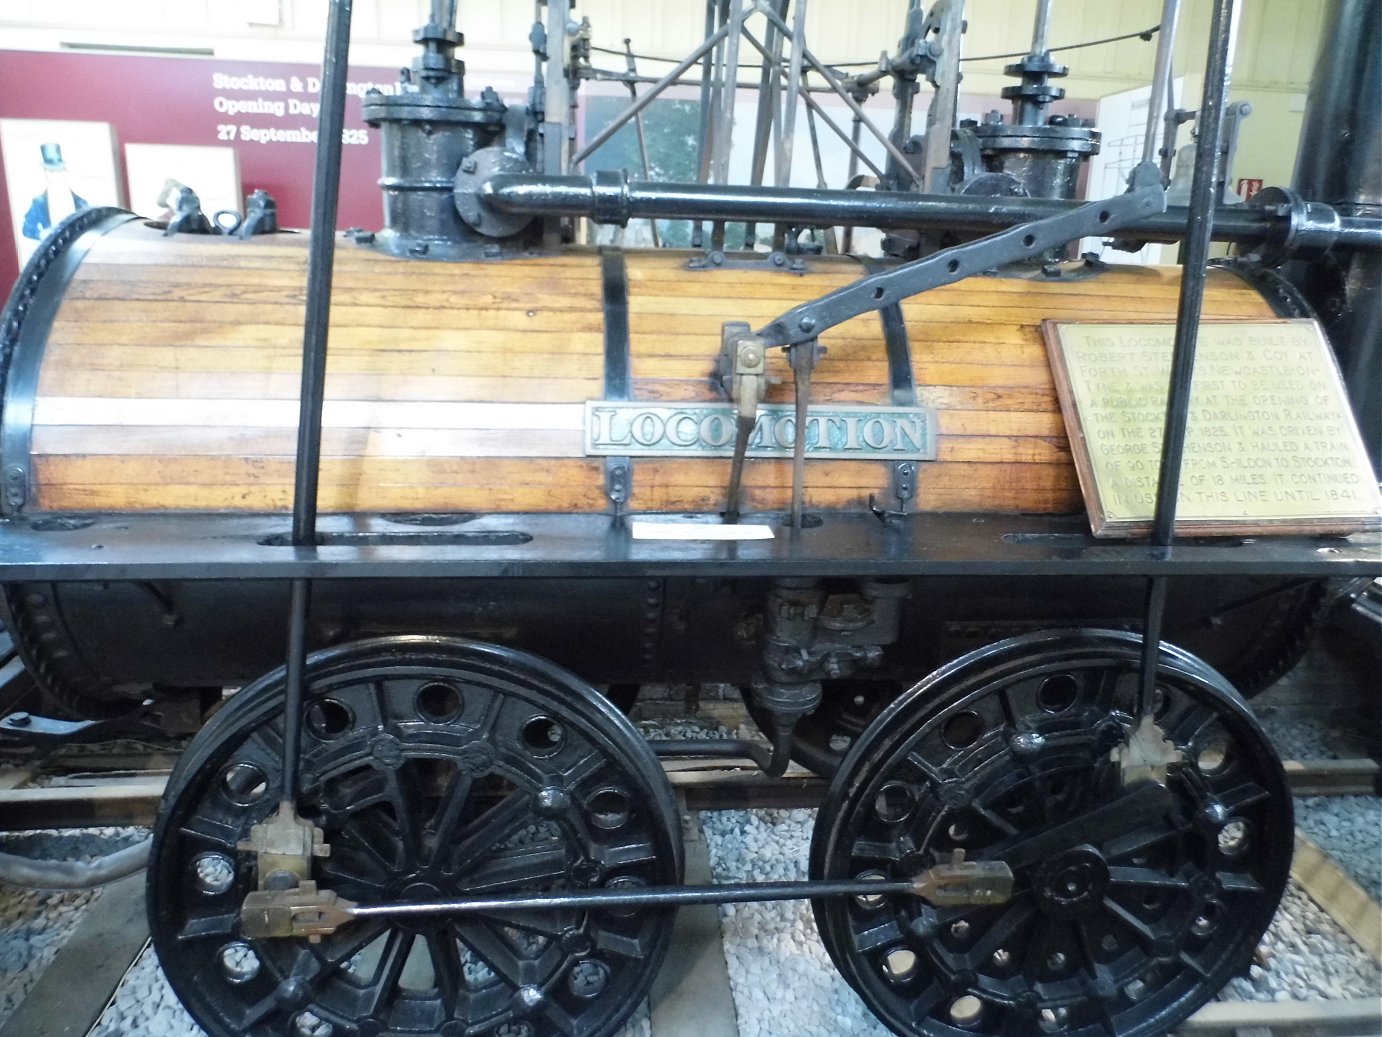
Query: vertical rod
[(1041, 30), (768, 119), (707, 123), (855, 129), (1161, 79), (724, 131), (632, 66), (326, 189), (1199, 235), (320, 260), (299, 610), (783, 160)]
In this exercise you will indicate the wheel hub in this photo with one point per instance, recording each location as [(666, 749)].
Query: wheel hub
[(1074, 883)]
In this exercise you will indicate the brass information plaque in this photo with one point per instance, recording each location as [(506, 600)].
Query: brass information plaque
[(1272, 445)]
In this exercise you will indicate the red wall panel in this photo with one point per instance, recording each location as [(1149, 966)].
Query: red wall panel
[(165, 100)]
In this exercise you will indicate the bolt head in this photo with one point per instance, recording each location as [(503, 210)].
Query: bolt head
[(807, 324), (1028, 743), (552, 801)]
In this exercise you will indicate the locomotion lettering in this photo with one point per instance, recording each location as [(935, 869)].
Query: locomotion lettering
[(707, 430)]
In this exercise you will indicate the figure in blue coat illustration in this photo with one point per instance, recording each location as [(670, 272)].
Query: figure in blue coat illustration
[(58, 200)]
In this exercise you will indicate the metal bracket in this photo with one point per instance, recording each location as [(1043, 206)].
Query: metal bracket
[(714, 259), (807, 321), (1146, 755), (16, 486), (284, 846), (49, 733), (963, 883), (904, 491), (294, 913)]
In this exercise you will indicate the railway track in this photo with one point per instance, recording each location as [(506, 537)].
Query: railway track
[(123, 787)]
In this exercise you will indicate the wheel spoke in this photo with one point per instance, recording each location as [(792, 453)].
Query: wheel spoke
[(338, 949), (1238, 883), (1133, 843), (1241, 797), (393, 957), (999, 824), (447, 821), (996, 936), (559, 1017), (634, 948), (404, 797), (495, 825), (447, 970), (921, 1006), (200, 926), (1130, 921), (518, 869), (1148, 878), (550, 924)]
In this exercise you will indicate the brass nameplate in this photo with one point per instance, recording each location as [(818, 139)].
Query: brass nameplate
[(622, 429), (1271, 445)]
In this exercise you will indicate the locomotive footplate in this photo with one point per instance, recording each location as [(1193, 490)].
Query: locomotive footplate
[(227, 547)]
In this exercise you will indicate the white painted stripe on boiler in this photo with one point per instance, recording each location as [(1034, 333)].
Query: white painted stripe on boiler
[(81, 410)]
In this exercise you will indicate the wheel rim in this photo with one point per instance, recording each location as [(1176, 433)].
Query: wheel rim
[(1114, 932), (437, 768)]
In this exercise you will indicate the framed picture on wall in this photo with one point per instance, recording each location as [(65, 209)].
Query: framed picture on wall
[(54, 167), (157, 173)]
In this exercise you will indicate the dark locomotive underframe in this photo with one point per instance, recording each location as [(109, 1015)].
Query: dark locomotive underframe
[(578, 590)]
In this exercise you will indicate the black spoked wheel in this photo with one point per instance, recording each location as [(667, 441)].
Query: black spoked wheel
[(1132, 906), (437, 768)]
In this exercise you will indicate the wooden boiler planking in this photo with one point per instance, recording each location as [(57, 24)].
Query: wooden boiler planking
[(278, 359), (213, 327), (198, 385), (346, 315)]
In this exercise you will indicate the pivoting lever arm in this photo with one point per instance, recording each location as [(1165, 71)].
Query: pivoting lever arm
[(1145, 197)]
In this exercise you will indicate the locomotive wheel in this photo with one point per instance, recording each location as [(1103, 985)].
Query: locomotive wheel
[(1120, 927), (436, 768)]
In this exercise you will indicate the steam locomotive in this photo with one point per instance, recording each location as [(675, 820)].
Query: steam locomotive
[(435, 818)]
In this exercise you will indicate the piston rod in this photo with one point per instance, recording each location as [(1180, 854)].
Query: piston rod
[(615, 200)]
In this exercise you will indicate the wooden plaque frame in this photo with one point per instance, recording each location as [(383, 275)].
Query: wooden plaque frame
[(1272, 445)]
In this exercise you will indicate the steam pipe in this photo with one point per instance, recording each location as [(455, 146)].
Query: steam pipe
[(583, 197)]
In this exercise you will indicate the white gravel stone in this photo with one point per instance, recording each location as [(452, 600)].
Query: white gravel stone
[(145, 1006), (1349, 829)]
